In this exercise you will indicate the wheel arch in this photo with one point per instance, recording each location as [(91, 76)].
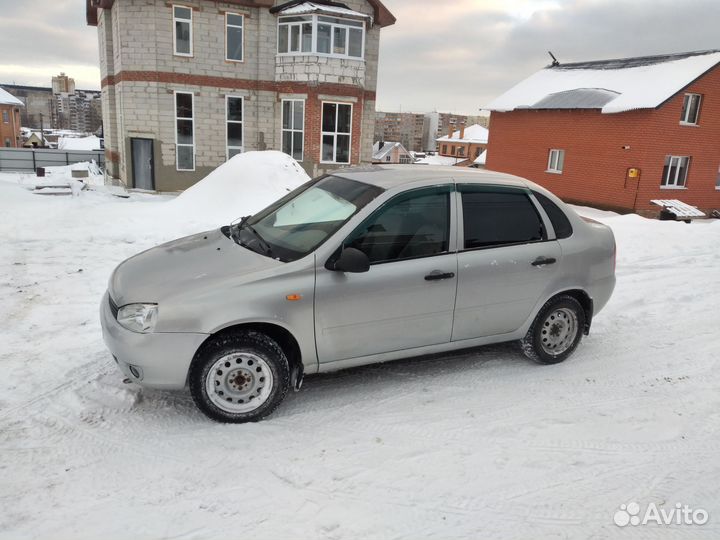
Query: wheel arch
[(284, 338), (585, 301)]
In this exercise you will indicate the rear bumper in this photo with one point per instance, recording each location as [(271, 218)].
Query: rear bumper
[(161, 360), (600, 291)]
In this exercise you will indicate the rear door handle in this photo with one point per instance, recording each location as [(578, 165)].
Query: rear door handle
[(436, 275), (542, 261)]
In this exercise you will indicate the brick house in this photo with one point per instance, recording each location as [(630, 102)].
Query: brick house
[(391, 152), (188, 84), (465, 144), (10, 120), (616, 134)]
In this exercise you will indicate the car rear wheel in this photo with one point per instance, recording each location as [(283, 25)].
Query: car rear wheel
[(239, 377), (556, 331)]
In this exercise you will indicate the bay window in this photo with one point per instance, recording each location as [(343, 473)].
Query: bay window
[(336, 132), (317, 34)]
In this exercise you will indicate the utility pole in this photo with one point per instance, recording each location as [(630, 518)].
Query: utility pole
[(42, 134)]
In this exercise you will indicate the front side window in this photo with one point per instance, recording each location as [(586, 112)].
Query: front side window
[(293, 127), (234, 37), (414, 224), (234, 126), (690, 109), (675, 171), (556, 161), (6, 117), (322, 35), (336, 130), (301, 221), (182, 30), (493, 218), (184, 132)]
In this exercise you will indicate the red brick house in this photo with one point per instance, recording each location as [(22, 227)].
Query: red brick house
[(616, 134), (10, 120)]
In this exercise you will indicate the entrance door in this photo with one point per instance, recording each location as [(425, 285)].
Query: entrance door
[(143, 166)]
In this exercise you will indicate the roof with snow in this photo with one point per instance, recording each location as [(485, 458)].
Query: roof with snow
[(612, 86), (6, 98), (473, 134), (306, 8), (380, 154)]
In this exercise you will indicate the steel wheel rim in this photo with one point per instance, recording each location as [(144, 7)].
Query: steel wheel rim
[(558, 332), (239, 382)]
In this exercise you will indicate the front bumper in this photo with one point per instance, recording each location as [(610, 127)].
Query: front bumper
[(163, 358)]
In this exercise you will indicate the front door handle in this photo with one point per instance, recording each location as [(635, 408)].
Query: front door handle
[(436, 275), (542, 261)]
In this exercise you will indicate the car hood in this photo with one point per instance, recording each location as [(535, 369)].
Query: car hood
[(182, 265)]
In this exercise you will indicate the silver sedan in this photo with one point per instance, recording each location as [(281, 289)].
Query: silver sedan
[(361, 266)]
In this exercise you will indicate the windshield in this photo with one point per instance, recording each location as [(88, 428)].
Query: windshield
[(302, 220)]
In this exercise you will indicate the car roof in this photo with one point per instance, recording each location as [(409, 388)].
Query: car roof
[(392, 176)]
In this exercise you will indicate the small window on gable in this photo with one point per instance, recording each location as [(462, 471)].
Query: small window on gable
[(691, 109), (556, 161)]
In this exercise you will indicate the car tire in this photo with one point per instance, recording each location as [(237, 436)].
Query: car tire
[(556, 331), (239, 377)]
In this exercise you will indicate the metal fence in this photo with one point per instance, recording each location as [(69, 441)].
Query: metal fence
[(29, 159)]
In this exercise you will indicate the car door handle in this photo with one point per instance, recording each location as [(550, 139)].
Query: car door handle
[(542, 261), (436, 275)]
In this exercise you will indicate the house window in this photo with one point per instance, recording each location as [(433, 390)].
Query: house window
[(675, 171), (388, 158), (690, 109), (182, 30), (185, 132), (293, 127), (461, 150), (8, 143), (452, 150), (556, 161), (234, 120), (444, 148), (717, 180), (336, 129), (405, 159), (6, 117), (234, 37), (321, 35)]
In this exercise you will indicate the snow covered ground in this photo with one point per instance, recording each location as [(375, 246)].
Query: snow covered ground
[(481, 444)]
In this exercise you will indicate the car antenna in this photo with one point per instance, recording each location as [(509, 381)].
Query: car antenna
[(555, 62)]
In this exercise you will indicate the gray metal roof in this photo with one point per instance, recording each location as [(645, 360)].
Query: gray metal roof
[(636, 61), (391, 176), (579, 98)]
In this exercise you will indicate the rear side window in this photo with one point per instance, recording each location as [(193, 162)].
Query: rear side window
[(559, 220), (496, 218)]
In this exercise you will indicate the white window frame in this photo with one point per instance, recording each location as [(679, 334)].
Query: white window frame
[(314, 20), (687, 105), (335, 133), (177, 144), (174, 25), (293, 130), (665, 183), (553, 160), (228, 121), (242, 30)]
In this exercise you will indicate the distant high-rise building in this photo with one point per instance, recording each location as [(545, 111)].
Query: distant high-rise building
[(63, 84), (405, 128), (440, 124)]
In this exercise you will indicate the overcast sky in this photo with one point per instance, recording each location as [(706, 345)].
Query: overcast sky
[(446, 55)]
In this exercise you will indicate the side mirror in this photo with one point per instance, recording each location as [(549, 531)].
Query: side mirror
[(350, 260)]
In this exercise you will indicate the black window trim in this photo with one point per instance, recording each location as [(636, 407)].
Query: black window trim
[(448, 188), (498, 188)]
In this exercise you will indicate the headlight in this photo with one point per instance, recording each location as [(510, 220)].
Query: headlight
[(138, 317)]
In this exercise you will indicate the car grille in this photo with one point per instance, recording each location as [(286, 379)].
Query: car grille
[(113, 306)]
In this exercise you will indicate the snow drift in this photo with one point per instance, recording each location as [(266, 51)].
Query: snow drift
[(245, 184)]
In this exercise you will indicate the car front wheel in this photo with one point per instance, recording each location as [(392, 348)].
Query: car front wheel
[(239, 377), (556, 331)]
